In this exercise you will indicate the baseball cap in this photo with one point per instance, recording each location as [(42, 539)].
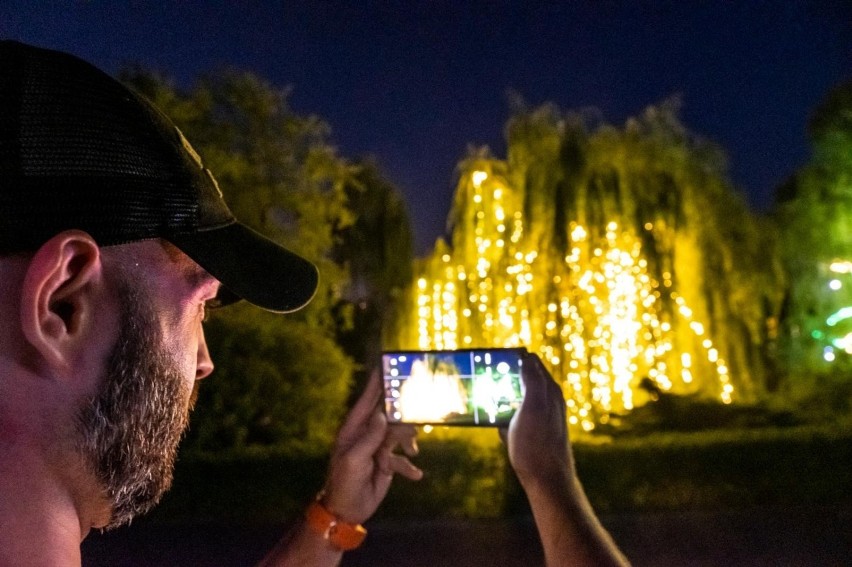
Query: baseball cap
[(79, 150)]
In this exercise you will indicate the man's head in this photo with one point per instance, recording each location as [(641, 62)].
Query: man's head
[(113, 238)]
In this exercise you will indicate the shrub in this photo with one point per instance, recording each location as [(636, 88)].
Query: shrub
[(278, 383)]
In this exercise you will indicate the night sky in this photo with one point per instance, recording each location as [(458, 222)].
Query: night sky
[(414, 83)]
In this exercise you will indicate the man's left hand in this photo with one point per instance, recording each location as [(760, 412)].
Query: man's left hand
[(365, 458)]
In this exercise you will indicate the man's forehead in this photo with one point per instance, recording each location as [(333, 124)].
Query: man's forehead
[(189, 269), (159, 255)]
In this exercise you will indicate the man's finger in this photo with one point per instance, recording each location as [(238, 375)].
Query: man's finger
[(539, 386), (401, 465), (403, 436), (365, 447), (361, 413)]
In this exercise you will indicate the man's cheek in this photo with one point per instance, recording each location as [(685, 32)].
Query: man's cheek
[(183, 351)]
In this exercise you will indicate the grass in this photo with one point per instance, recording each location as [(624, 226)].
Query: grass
[(730, 468)]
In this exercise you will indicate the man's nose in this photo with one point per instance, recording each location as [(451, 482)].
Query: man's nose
[(204, 364)]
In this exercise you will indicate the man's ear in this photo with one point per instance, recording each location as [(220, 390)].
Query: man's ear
[(59, 296)]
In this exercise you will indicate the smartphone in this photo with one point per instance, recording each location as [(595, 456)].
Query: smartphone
[(453, 387)]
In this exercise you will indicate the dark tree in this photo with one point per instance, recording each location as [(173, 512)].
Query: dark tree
[(378, 249)]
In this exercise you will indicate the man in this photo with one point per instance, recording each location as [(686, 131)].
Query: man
[(114, 239)]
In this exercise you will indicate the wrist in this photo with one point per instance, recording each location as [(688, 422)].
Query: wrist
[(338, 533)]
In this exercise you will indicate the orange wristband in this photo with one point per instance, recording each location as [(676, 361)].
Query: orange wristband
[(341, 535)]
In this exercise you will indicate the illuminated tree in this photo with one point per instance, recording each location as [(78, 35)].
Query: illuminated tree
[(618, 255), (814, 209)]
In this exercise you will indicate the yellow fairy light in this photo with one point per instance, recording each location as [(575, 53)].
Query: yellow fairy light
[(600, 319)]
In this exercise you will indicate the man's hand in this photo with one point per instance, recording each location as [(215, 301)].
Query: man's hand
[(362, 466), (539, 452), (365, 458), (537, 437)]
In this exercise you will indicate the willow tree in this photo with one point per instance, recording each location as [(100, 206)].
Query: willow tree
[(621, 255), (280, 380)]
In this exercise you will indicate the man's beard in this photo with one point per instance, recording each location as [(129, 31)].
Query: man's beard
[(130, 430)]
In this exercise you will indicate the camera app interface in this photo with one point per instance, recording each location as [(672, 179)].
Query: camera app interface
[(473, 387)]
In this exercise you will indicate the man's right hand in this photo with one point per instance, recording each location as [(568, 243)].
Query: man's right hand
[(537, 437), (539, 451)]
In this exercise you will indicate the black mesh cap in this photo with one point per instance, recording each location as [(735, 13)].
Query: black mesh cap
[(79, 150)]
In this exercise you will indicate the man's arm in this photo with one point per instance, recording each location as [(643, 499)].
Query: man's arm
[(540, 453), (360, 473)]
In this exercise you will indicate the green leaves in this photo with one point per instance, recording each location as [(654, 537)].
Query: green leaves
[(814, 211), (282, 385)]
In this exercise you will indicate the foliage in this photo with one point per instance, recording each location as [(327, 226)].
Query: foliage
[(279, 380), (469, 477), (720, 469), (281, 385), (668, 412), (822, 396), (378, 249), (814, 209), (254, 486)]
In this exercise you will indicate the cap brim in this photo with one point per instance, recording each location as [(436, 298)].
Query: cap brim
[(252, 267)]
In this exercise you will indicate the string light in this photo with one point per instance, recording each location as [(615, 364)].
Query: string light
[(599, 319)]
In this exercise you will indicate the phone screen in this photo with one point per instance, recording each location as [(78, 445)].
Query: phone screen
[(453, 387)]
